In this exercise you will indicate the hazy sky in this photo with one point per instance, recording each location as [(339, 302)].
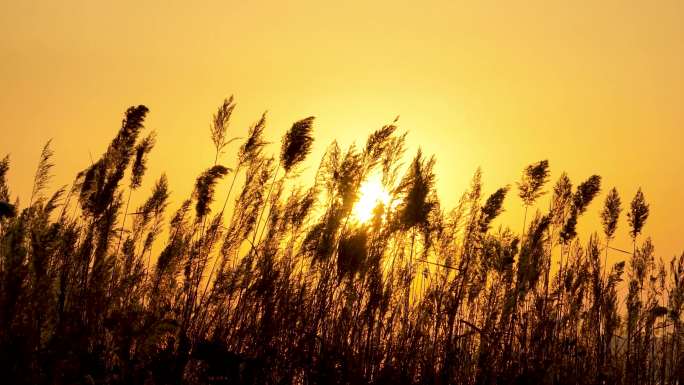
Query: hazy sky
[(594, 86)]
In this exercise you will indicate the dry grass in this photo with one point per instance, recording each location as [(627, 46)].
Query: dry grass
[(291, 290)]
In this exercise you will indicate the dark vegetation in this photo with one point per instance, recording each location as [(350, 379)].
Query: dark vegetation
[(279, 285)]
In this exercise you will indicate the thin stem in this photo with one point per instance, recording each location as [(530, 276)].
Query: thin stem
[(225, 202), (268, 197), (123, 224), (201, 240), (213, 266), (118, 244)]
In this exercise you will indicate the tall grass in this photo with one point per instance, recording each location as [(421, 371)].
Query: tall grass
[(289, 288)]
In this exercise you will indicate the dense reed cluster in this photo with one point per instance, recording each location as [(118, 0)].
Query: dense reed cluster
[(280, 284)]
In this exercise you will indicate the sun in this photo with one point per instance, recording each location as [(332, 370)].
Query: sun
[(371, 194)]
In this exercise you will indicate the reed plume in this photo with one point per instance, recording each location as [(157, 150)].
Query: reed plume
[(6, 208), (219, 126), (296, 143), (42, 176), (139, 167), (638, 213), (611, 212), (417, 294), (4, 188), (533, 180), (204, 188), (530, 186), (101, 179)]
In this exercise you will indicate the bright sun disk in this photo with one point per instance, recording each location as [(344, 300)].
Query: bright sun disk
[(371, 194)]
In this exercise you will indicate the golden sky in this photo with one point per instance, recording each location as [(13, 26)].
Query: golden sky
[(594, 86)]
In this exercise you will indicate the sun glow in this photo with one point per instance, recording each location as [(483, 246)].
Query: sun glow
[(371, 194)]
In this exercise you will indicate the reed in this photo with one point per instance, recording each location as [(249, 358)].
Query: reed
[(290, 288)]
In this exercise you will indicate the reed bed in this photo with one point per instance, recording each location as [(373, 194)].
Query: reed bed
[(280, 284)]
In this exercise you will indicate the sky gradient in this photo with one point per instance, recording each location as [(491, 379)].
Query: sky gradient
[(594, 88)]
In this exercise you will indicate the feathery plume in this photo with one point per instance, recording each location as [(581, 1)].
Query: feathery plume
[(348, 176), (219, 126), (101, 179), (204, 188), (157, 202), (638, 214), (139, 163), (391, 159), (42, 176), (586, 192), (611, 213), (154, 207), (377, 143), (561, 201), (533, 180), (4, 188), (569, 230), (492, 208), (296, 143), (7, 210), (252, 147), (531, 255), (417, 191)]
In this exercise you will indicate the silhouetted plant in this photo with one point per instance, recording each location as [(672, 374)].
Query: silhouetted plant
[(204, 188), (638, 214), (530, 186), (492, 208), (296, 144), (42, 176), (7, 210), (142, 149), (586, 191), (418, 294), (219, 126), (100, 181), (610, 214), (609, 218), (4, 188)]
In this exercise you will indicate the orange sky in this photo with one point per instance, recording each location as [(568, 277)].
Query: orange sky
[(595, 88)]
